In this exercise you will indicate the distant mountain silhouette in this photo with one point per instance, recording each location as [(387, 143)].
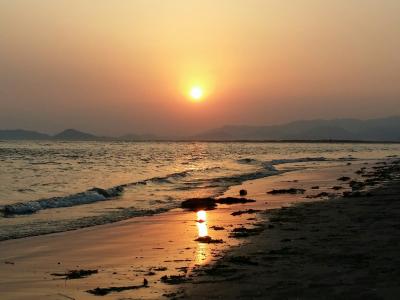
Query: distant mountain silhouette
[(20, 134), (70, 135), (75, 135), (384, 129)]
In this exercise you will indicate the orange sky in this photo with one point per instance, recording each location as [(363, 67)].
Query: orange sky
[(113, 67)]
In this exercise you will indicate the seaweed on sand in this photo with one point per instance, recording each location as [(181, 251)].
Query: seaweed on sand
[(247, 211), (174, 279), (76, 274), (208, 240), (241, 232), (105, 291), (287, 191), (209, 203)]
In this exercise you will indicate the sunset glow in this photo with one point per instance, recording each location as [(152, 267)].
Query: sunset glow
[(154, 66), (196, 93)]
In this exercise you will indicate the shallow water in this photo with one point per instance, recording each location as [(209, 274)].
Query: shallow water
[(154, 176)]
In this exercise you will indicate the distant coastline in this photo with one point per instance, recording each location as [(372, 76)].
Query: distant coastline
[(384, 130)]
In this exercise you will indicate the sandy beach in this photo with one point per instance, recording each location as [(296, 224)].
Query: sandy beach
[(272, 248), (342, 248)]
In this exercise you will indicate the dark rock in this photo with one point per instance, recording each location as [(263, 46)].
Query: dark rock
[(208, 240), (242, 192), (233, 200), (199, 204), (344, 178)]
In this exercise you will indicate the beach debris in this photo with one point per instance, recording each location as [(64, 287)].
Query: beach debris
[(150, 273), (105, 291), (208, 203), (76, 274), (344, 178), (315, 187), (321, 195), (356, 194), (242, 192), (159, 269), (208, 240), (217, 227), (356, 185), (337, 187), (196, 204), (174, 279), (287, 191), (242, 260), (247, 211), (241, 232), (233, 200), (7, 262)]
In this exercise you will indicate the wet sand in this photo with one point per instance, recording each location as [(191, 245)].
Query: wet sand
[(342, 248), (126, 253)]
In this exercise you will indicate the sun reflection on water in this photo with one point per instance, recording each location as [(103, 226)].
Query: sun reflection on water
[(201, 216), (202, 252), (203, 230)]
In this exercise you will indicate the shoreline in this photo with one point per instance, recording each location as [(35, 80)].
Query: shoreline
[(341, 248), (127, 252)]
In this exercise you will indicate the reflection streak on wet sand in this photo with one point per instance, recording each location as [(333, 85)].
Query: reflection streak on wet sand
[(202, 249)]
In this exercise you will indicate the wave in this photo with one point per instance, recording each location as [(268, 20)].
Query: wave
[(253, 161), (266, 169), (87, 197), (90, 196), (98, 194)]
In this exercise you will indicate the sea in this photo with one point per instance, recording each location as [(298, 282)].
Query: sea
[(55, 186)]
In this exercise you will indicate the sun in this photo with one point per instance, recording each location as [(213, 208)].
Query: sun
[(196, 93)]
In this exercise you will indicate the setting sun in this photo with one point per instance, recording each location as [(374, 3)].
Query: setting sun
[(196, 93)]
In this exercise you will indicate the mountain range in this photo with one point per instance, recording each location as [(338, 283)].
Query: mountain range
[(383, 129)]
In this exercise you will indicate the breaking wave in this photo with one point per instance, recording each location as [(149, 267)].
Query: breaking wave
[(98, 194)]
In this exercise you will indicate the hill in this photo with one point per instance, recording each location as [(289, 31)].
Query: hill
[(384, 129)]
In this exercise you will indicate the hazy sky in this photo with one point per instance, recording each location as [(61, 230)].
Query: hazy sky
[(113, 67)]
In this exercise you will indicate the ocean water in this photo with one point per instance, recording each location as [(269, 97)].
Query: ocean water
[(48, 186)]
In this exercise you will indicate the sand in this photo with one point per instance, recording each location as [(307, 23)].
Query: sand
[(344, 248), (126, 253)]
